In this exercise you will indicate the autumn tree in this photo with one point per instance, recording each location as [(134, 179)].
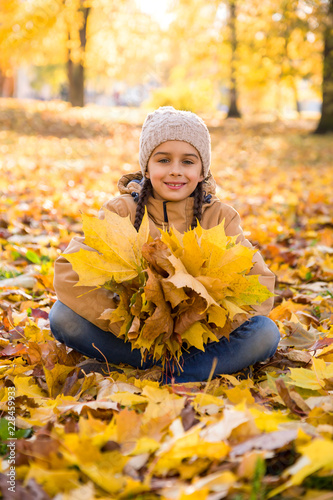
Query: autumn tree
[(255, 54), (6, 79), (8, 11), (204, 47), (326, 120), (233, 111), (25, 29), (94, 37), (75, 66), (279, 53)]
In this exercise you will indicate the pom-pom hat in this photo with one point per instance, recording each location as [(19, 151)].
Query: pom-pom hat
[(170, 124)]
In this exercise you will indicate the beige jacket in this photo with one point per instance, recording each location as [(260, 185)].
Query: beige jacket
[(161, 215)]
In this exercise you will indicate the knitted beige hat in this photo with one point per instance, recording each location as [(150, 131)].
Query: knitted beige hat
[(170, 124)]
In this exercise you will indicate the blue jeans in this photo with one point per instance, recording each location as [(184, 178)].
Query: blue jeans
[(255, 340)]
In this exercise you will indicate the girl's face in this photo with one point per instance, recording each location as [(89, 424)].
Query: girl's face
[(174, 170)]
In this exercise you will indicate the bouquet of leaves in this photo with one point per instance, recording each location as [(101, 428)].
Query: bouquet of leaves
[(176, 291)]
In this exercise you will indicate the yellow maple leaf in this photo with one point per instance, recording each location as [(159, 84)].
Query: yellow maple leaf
[(56, 378), (236, 259), (238, 394), (189, 445), (106, 472), (314, 378), (51, 479), (192, 256), (205, 402), (267, 421), (248, 290), (118, 250), (197, 335), (25, 386), (174, 240), (219, 264), (217, 315)]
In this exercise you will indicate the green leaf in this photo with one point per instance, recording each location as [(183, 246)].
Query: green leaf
[(33, 257), (5, 435)]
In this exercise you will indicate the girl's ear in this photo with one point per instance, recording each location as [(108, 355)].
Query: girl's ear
[(147, 176), (202, 176)]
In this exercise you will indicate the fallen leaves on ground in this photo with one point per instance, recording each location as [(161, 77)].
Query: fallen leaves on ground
[(121, 434)]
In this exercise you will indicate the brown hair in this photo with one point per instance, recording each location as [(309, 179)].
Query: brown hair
[(147, 190), (197, 205)]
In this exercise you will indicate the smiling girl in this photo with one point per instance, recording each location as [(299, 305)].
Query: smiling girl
[(177, 188)]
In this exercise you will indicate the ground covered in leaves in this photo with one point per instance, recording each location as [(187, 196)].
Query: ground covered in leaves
[(121, 434)]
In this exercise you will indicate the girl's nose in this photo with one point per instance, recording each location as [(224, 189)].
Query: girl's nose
[(175, 169)]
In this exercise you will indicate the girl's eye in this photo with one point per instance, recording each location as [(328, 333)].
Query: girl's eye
[(166, 160)]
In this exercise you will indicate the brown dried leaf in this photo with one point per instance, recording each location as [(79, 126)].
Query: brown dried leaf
[(194, 310), (157, 253), (134, 331), (161, 321), (173, 294), (298, 407), (299, 356)]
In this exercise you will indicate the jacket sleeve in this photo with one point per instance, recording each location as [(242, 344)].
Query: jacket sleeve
[(266, 277), (88, 302)]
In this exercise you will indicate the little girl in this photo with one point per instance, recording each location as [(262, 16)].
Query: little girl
[(177, 188)]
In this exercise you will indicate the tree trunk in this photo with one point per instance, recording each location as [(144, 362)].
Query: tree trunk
[(233, 93), (75, 70), (295, 92), (76, 83), (326, 120), (6, 84)]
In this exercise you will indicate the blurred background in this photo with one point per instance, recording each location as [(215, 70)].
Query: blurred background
[(238, 58), (77, 78)]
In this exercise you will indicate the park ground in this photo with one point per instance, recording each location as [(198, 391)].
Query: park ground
[(121, 434)]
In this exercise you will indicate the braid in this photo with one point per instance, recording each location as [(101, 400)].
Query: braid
[(143, 198), (197, 206)]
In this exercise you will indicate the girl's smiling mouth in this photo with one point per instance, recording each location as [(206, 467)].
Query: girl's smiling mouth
[(175, 185)]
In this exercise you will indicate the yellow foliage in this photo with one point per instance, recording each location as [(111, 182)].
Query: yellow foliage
[(207, 282), (117, 258), (239, 394), (194, 96), (190, 445), (25, 386), (50, 479), (314, 378)]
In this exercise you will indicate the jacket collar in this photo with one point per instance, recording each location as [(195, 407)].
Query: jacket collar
[(171, 213)]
